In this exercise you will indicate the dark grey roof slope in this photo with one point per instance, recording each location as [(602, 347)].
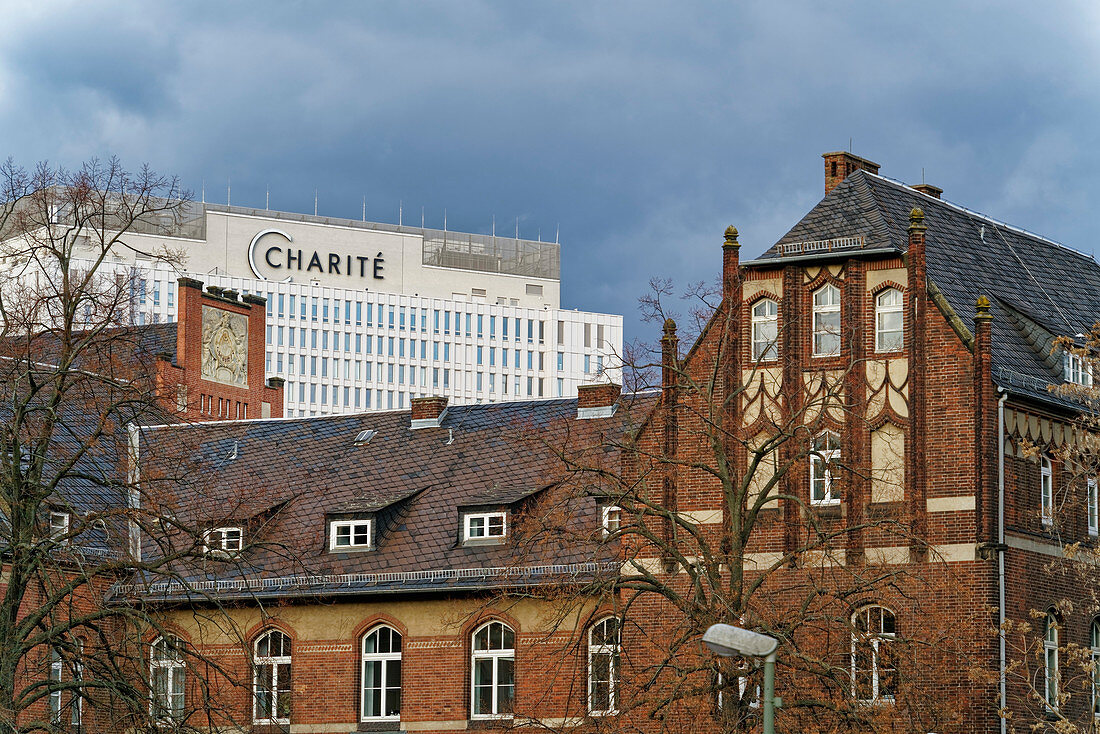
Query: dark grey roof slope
[(969, 255), (302, 470)]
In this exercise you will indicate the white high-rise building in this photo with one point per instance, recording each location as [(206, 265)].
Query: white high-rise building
[(365, 315)]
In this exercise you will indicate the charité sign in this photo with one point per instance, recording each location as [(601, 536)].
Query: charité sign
[(273, 248)]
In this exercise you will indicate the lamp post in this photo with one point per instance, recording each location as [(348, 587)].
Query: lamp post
[(728, 641)]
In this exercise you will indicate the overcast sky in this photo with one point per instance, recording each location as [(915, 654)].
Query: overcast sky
[(641, 129)]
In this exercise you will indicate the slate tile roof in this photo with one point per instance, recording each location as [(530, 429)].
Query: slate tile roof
[(301, 470), (1027, 277)]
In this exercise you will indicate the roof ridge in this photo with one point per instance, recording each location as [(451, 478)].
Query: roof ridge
[(978, 215)]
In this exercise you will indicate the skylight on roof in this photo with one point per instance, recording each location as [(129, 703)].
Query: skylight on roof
[(364, 437)]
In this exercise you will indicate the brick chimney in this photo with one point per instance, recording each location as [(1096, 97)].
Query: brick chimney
[(839, 164), (427, 412), (235, 385), (933, 191), (597, 400)]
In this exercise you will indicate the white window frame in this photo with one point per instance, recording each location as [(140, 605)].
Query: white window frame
[(384, 658), (223, 545), (1093, 506), (1046, 491), (820, 311), (1050, 662), (765, 330), (171, 662), (59, 526), (875, 641), (497, 656), (486, 519), (274, 661), (823, 459), (884, 339), (352, 525), (612, 652), (56, 668), (1076, 369), (611, 519)]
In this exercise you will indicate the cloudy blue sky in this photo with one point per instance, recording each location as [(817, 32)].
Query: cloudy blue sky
[(641, 128)]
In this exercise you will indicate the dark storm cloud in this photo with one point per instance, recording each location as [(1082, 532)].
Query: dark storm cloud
[(641, 129)]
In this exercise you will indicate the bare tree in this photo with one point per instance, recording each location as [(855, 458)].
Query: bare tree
[(77, 376), (735, 501)]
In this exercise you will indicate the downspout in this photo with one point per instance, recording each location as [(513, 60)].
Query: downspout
[(1001, 614)]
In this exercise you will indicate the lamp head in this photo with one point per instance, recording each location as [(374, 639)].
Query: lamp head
[(728, 641)]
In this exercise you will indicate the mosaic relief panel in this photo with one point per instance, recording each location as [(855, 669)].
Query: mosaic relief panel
[(224, 346)]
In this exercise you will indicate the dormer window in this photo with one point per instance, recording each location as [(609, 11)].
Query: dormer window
[(350, 535), (484, 526), (59, 525), (1077, 370), (611, 518), (223, 541)]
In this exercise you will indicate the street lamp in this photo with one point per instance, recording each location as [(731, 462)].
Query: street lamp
[(729, 641)]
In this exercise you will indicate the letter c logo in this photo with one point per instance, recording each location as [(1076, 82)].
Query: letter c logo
[(252, 251)]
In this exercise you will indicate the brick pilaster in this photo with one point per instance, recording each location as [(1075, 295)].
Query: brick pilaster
[(917, 349)]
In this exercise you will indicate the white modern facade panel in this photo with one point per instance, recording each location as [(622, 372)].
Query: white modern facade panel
[(364, 318)]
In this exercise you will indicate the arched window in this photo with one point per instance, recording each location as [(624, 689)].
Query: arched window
[(381, 667), (1094, 643), (1046, 491), (166, 677), (825, 451), (827, 321), (889, 321), (271, 684), (765, 330), (874, 674), (493, 675), (603, 667), (1050, 662)]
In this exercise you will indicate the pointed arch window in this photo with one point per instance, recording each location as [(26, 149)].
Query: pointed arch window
[(271, 681), (603, 667), (381, 668), (1050, 662), (889, 321), (825, 452), (765, 330), (166, 679), (493, 675), (826, 321), (874, 673)]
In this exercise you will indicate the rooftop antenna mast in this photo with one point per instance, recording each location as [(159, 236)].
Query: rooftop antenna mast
[(421, 217), (228, 192), (400, 211), (315, 202), (204, 191), (444, 219), (557, 231), (517, 228), (364, 207), (267, 199), (494, 226)]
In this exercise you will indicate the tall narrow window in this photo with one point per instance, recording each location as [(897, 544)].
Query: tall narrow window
[(56, 666), (166, 677), (76, 701), (1046, 491), (493, 679), (271, 683), (1094, 644), (1093, 506), (603, 667), (889, 322), (381, 659), (827, 321), (874, 674), (765, 329), (1050, 662), (826, 451)]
